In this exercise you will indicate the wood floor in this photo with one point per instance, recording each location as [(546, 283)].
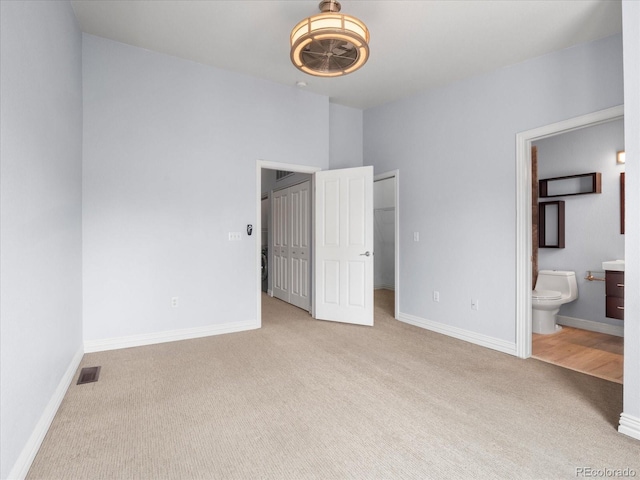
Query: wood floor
[(593, 353)]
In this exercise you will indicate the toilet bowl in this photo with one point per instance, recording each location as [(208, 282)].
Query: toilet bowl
[(553, 289)]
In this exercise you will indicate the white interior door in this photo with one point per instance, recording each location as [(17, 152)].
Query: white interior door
[(343, 265)]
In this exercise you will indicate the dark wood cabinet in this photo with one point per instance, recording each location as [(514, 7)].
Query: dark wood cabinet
[(615, 294)]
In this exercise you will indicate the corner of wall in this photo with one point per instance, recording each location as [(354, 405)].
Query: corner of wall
[(23, 463), (346, 137)]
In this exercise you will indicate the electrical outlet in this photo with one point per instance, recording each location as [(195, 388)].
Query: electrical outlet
[(234, 236), (436, 296), (475, 304), (174, 302)]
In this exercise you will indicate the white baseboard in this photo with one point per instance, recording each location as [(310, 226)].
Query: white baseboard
[(590, 325), (169, 336), (28, 454), (270, 293), (629, 425), (384, 286), (461, 334)]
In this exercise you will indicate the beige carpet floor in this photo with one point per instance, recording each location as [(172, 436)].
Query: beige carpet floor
[(306, 399)]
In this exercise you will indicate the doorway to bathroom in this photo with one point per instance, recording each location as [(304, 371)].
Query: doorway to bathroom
[(583, 335), (579, 219)]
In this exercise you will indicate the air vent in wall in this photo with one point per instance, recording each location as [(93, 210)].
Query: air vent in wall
[(280, 174)]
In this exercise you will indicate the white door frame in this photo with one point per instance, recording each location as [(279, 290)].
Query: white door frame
[(524, 215), (383, 176), (260, 164)]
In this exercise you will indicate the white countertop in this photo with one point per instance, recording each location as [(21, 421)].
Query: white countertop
[(613, 265)]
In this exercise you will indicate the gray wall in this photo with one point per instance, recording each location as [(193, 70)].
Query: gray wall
[(345, 137), (41, 154), (170, 151), (455, 148), (592, 222), (631, 32)]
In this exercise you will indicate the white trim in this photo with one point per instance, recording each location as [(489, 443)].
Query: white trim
[(523, 213), (287, 166), (28, 454), (382, 176), (260, 164), (168, 336), (629, 425), (459, 333), (590, 325)]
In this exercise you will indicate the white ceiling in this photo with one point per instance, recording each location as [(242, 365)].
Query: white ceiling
[(415, 45)]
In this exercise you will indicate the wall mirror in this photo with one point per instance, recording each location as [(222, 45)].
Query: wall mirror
[(622, 203)]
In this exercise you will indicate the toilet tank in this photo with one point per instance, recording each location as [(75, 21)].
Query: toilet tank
[(559, 280)]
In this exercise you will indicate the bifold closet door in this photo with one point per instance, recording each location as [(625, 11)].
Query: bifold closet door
[(281, 233), (291, 223), (299, 198)]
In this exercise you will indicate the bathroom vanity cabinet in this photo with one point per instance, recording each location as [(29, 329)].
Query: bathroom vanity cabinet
[(614, 285)]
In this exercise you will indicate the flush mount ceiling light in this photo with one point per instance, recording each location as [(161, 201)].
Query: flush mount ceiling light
[(329, 44)]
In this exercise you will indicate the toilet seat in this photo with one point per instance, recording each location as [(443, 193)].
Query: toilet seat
[(546, 295)]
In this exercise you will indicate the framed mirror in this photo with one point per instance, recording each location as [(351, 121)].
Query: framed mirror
[(622, 203)]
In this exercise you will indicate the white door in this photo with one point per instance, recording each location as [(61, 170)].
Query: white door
[(280, 264), (343, 266), (299, 199)]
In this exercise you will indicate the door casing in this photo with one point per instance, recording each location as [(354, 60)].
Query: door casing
[(524, 213), (395, 174), (260, 164)]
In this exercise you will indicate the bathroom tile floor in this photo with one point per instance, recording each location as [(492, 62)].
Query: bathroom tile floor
[(593, 353)]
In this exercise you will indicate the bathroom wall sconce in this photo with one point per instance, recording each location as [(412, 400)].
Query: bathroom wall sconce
[(620, 157)]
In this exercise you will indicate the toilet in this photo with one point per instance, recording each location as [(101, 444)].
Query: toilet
[(553, 288)]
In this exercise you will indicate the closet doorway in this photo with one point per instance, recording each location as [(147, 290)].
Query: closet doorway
[(286, 234), (386, 238), (341, 241)]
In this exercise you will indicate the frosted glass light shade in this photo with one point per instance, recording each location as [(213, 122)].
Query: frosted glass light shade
[(329, 44), (620, 157)]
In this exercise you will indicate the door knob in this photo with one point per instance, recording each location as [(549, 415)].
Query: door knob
[(366, 254)]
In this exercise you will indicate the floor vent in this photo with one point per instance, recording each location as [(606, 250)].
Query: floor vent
[(88, 375)]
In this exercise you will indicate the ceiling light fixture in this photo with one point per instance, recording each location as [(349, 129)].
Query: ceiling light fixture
[(329, 44)]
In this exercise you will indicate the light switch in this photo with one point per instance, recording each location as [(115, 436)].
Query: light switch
[(416, 236), (235, 236)]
